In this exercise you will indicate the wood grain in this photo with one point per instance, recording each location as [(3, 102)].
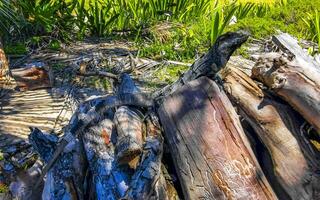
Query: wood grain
[(297, 84), (211, 153), (295, 162)]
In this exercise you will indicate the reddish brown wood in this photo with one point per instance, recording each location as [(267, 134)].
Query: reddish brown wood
[(211, 153), (294, 161), (32, 77)]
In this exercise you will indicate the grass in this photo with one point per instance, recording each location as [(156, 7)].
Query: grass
[(4, 188), (161, 29)]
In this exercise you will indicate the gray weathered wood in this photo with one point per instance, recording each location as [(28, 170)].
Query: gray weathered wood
[(211, 153), (298, 84), (108, 179), (289, 44), (295, 162)]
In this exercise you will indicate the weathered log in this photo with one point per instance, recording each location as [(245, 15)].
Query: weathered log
[(148, 181), (65, 180), (128, 121), (298, 84), (130, 139), (109, 181), (294, 161), (210, 63), (211, 153)]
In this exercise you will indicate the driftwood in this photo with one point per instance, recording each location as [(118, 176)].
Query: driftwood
[(298, 84), (210, 151), (294, 162), (290, 45), (210, 63)]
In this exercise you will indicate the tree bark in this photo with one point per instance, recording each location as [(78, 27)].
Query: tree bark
[(279, 128), (211, 153), (298, 84), (4, 65)]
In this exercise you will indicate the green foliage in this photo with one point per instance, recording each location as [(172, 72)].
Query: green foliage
[(170, 73), (4, 188), (312, 22), (54, 45), (7, 17), (15, 49), (220, 18), (100, 17), (42, 17), (175, 29)]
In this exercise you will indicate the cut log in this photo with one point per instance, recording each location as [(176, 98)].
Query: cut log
[(211, 153), (130, 138), (109, 181), (210, 63), (279, 128), (298, 84), (129, 123)]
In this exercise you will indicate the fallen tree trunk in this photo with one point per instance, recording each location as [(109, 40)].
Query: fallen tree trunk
[(210, 151), (294, 163), (298, 84)]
